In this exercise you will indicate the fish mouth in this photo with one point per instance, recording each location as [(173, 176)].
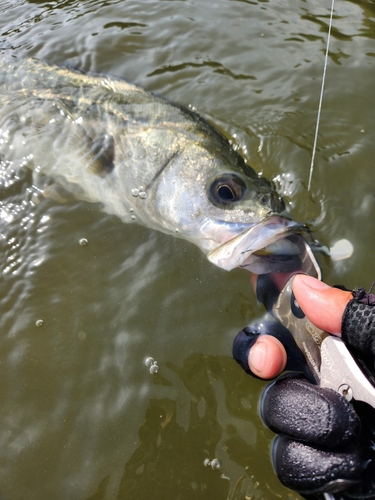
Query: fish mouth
[(262, 248)]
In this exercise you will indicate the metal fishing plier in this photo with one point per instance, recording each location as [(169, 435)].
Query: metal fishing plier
[(330, 362)]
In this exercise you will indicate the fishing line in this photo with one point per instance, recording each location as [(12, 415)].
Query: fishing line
[(321, 96), (327, 496)]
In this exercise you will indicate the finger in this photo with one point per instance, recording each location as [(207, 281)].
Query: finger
[(358, 325), (310, 470), (266, 348), (322, 304), (306, 412), (267, 357), (259, 354)]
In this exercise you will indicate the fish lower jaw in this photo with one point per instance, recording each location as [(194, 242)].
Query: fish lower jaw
[(263, 243)]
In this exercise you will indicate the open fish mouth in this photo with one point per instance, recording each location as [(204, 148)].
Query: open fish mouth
[(262, 248)]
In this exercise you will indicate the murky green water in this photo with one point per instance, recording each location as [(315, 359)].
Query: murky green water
[(81, 417)]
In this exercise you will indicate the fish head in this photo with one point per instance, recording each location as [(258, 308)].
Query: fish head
[(211, 197)]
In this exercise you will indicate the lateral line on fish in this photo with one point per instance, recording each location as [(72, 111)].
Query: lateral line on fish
[(321, 96)]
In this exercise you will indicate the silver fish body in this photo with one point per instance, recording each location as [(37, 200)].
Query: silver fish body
[(145, 159)]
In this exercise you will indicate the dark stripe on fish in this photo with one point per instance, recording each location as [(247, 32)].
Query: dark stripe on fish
[(163, 167)]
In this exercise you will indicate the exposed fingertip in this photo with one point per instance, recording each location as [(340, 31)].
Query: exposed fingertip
[(267, 357), (322, 304), (305, 280)]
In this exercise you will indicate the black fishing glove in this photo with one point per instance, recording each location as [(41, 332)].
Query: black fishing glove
[(325, 443)]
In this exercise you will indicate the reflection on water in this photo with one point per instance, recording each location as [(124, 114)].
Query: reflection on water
[(81, 415)]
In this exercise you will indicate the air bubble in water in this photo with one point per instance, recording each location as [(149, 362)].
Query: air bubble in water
[(149, 361), (215, 463), (152, 364), (154, 369)]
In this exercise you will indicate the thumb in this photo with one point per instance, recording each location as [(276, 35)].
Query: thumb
[(322, 304)]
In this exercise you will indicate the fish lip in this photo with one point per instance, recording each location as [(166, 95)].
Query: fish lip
[(239, 251)]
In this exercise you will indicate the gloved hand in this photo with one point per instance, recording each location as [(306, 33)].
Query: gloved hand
[(325, 444)]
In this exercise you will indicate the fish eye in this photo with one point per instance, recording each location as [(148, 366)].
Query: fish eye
[(227, 189), (264, 199), (225, 193)]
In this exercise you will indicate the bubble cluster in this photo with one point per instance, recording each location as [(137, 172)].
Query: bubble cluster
[(139, 192), (152, 365), (215, 463)]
